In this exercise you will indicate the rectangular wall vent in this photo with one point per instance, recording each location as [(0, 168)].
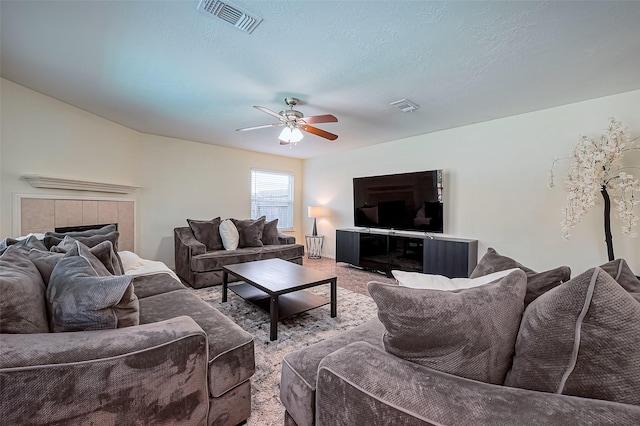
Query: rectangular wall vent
[(230, 13), (405, 105)]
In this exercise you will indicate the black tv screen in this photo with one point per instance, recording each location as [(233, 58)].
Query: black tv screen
[(405, 201)]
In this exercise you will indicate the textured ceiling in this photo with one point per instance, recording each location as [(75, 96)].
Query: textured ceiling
[(163, 68)]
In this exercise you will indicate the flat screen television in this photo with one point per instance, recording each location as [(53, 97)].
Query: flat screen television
[(404, 201)]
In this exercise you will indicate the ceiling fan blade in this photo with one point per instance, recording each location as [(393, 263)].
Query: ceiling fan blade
[(314, 119), (319, 132), (264, 126), (268, 111)]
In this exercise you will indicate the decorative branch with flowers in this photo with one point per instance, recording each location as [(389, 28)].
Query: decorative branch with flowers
[(596, 168)]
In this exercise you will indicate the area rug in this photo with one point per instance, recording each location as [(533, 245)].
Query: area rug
[(293, 333)]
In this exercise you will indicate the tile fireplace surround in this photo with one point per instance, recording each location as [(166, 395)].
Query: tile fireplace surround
[(45, 213)]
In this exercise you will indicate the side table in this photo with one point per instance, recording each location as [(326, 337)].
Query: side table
[(314, 246)]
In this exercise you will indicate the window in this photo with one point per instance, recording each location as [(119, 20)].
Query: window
[(272, 196)]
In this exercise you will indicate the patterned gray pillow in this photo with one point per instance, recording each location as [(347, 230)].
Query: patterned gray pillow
[(583, 339), (22, 301), (620, 271), (469, 333), (46, 261), (207, 232), (270, 233), (250, 231), (89, 240), (537, 282), (83, 295), (25, 245)]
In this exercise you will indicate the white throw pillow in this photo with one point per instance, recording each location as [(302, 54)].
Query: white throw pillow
[(229, 234), (440, 282)]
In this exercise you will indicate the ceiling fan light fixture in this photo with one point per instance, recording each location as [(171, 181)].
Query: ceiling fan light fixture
[(291, 135)]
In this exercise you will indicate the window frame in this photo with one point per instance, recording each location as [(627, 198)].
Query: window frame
[(290, 201)]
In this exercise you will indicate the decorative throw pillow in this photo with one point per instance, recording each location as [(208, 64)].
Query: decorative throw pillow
[(22, 301), (229, 235), (24, 244), (469, 333), (537, 282), (270, 233), (89, 241), (582, 339), (106, 229), (83, 295), (103, 251), (620, 271), (440, 282), (207, 232), (250, 231), (45, 261)]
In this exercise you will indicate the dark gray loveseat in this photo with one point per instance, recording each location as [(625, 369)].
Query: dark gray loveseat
[(181, 363), (557, 373), (200, 267)]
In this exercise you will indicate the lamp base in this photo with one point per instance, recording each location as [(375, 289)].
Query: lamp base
[(315, 229)]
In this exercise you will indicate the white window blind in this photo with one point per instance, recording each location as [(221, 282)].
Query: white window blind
[(272, 196)]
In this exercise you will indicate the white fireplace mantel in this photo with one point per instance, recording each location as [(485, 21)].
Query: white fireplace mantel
[(39, 181)]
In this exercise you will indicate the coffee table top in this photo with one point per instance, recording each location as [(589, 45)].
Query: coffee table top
[(277, 276)]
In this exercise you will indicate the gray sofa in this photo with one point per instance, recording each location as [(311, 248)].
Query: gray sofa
[(200, 267), (183, 363), (360, 377)]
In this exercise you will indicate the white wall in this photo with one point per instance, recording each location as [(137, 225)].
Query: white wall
[(180, 179), (495, 182)]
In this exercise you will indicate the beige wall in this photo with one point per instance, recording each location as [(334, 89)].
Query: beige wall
[(495, 182), (180, 179)]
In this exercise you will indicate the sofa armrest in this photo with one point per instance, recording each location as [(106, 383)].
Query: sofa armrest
[(185, 247), (361, 384), (286, 239), (186, 239), (156, 372)]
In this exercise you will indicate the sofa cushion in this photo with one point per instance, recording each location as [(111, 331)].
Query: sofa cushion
[(583, 339), (270, 233), (22, 295), (229, 235), (207, 232), (299, 369), (231, 356), (469, 333), (150, 285), (215, 260), (45, 261), (83, 295), (537, 282), (620, 271), (250, 231)]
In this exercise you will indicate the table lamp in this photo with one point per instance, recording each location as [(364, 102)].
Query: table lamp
[(315, 212)]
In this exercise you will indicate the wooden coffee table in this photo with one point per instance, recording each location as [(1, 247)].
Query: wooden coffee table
[(277, 286)]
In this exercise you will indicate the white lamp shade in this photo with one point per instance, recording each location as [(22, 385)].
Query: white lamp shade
[(315, 211), (285, 135), (296, 135), (291, 135)]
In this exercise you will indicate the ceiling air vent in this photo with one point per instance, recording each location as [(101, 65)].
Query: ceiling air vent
[(405, 105), (230, 13)]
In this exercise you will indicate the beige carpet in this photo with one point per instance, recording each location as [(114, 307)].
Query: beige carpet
[(354, 308)]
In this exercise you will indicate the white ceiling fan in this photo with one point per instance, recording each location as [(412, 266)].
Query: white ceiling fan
[(295, 122)]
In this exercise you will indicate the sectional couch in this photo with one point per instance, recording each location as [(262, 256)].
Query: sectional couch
[(526, 349), (138, 348)]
